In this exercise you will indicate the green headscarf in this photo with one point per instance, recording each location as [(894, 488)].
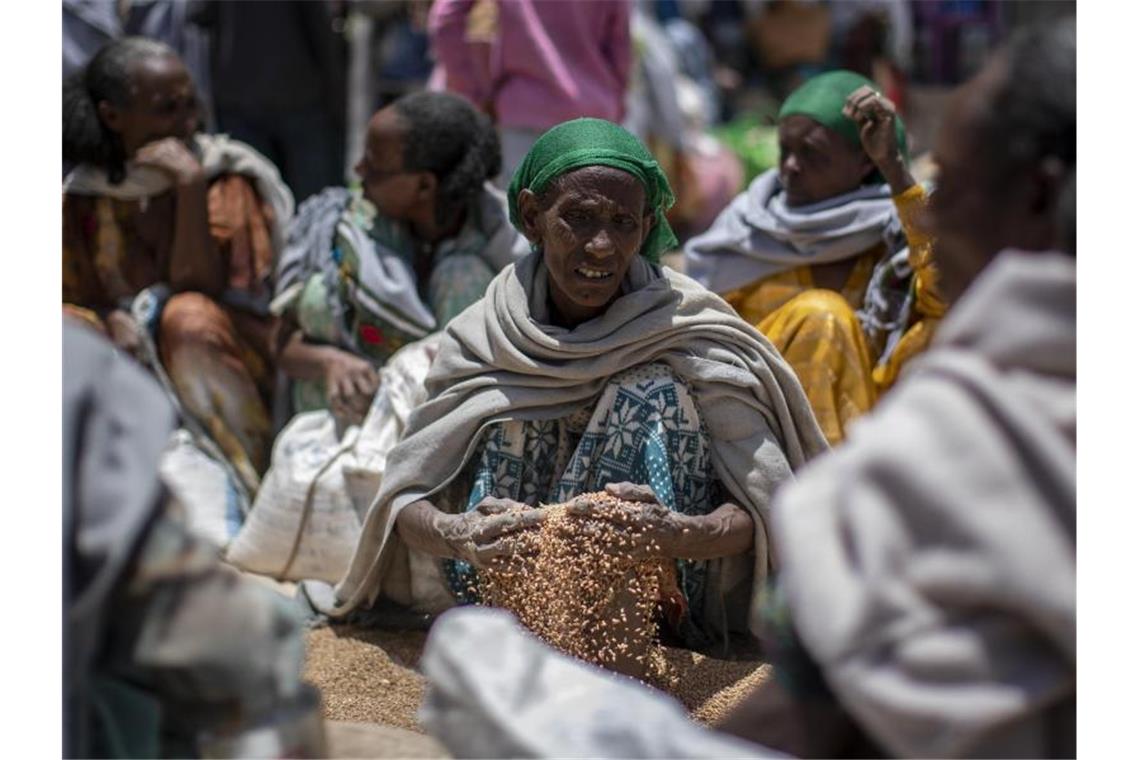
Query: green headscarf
[(821, 99), (596, 142)]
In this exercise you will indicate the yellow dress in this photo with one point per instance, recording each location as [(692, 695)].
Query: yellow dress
[(817, 331)]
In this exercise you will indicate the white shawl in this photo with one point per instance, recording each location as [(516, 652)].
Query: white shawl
[(930, 562), (759, 235), (219, 155)]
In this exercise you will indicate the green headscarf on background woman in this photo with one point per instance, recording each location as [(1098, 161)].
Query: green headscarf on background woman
[(596, 142), (821, 99)]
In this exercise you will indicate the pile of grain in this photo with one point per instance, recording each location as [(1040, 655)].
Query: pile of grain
[(366, 675), (576, 584), (710, 688), (579, 584)]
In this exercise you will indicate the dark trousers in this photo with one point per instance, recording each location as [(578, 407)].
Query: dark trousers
[(306, 145)]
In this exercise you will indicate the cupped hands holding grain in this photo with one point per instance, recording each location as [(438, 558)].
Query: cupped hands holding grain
[(643, 527), (491, 530)]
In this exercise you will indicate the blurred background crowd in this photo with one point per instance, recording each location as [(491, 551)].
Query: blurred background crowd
[(704, 83)]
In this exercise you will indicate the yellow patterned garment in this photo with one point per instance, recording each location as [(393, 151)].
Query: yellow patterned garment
[(929, 306), (817, 331)]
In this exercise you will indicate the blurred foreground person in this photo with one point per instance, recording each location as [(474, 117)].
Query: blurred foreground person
[(927, 596), (821, 254), (165, 650), (194, 220), (926, 601)]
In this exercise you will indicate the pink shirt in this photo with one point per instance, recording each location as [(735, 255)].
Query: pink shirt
[(553, 60)]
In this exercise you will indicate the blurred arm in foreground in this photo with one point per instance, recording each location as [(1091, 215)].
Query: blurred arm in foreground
[(164, 646)]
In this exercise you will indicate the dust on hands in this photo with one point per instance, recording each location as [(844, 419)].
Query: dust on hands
[(491, 530)]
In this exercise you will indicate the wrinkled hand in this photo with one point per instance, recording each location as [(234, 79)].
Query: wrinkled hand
[(653, 529), (488, 531), (492, 505), (171, 156), (875, 116), (350, 385), (124, 332)]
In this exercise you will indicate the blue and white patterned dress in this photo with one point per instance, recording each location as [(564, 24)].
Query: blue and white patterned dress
[(644, 428)]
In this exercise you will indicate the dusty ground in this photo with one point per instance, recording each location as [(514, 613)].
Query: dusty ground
[(369, 676)]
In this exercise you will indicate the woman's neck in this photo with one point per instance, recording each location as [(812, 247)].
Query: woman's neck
[(426, 228), (567, 314)]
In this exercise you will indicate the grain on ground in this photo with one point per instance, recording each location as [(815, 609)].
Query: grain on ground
[(367, 675), (710, 688)]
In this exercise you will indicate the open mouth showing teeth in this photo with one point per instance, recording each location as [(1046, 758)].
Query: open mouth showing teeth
[(593, 274)]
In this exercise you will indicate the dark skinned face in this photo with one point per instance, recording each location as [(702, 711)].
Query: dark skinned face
[(817, 163), (589, 236), (163, 104), (973, 215), (394, 191)]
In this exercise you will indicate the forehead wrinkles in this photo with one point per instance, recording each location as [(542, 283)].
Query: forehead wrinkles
[(596, 185)]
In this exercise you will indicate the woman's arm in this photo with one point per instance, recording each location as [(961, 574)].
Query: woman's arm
[(724, 532), (350, 381), (875, 116), (195, 263)]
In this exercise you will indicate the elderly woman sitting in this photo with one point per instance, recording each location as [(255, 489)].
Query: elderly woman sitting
[(824, 255), (585, 366)]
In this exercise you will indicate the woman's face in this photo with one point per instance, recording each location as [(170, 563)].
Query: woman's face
[(817, 163), (164, 103), (392, 189), (589, 235)]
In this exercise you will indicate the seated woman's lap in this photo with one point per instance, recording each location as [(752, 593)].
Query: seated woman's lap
[(645, 428)]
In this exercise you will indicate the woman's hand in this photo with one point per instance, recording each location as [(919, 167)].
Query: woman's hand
[(489, 531), (652, 529), (171, 156), (875, 116), (656, 531), (350, 385), (124, 331)]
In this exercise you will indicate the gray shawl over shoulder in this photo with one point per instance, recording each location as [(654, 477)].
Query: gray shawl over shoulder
[(219, 155)]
